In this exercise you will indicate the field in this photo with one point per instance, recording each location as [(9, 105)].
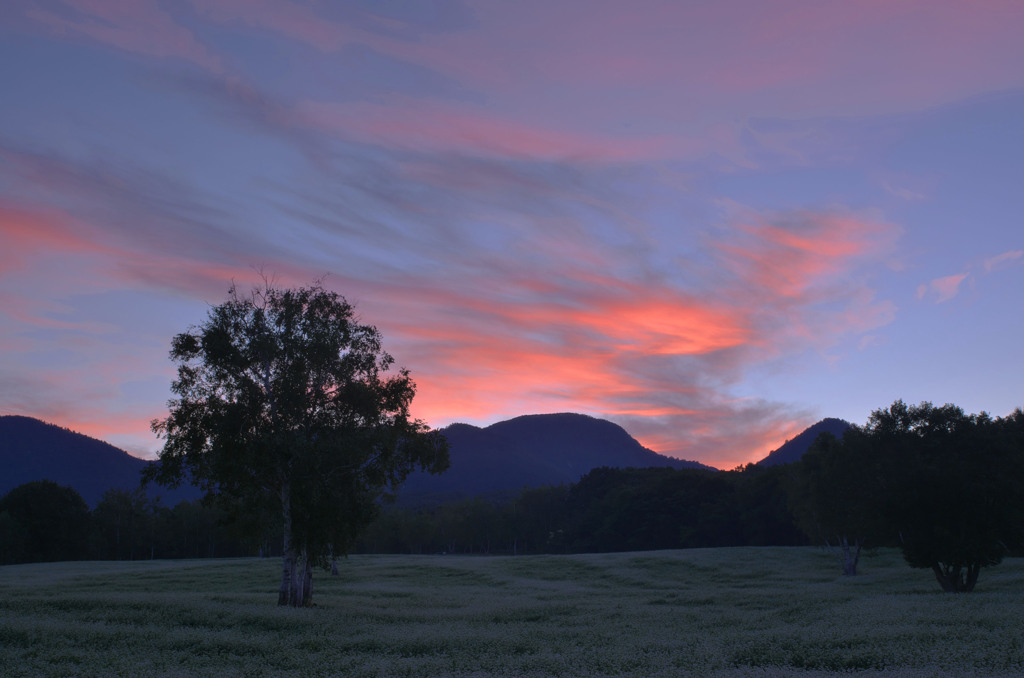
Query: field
[(707, 612)]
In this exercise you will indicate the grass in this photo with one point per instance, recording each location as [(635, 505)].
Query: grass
[(707, 612)]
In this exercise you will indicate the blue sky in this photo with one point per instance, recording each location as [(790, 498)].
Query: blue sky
[(712, 223)]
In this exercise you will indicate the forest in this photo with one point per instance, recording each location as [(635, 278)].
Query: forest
[(945, 487), (609, 509)]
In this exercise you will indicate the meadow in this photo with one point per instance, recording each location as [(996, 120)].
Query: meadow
[(707, 612)]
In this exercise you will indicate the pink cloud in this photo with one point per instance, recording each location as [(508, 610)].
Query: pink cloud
[(298, 21), (1003, 260), (673, 70), (904, 193), (942, 289), (37, 314), (93, 412), (475, 237), (34, 236), (792, 256), (42, 229), (498, 342), (138, 27), (650, 65), (541, 314), (726, 434), (948, 287), (489, 337), (426, 126), (798, 55)]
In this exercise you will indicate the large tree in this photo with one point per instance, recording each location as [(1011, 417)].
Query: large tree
[(951, 486), (285, 404)]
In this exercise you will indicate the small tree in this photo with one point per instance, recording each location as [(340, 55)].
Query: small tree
[(834, 492), (42, 521), (284, 404)]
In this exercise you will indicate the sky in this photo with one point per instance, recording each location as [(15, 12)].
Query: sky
[(711, 222)]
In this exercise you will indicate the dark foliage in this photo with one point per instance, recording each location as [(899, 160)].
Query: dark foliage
[(834, 493), (609, 509), (951, 486), (42, 521), (947, 487)]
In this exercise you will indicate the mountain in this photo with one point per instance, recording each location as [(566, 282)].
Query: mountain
[(31, 449), (531, 451), (793, 450), (500, 459)]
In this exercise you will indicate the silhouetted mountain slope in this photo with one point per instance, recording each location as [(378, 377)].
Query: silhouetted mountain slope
[(531, 451), (31, 449), (793, 450)]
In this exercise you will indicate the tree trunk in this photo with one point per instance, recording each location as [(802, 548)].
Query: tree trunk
[(285, 593), (972, 577), (296, 583), (848, 555), (305, 593), (855, 560), (956, 579)]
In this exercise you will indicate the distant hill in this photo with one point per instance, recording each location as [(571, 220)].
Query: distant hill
[(31, 449), (500, 459), (531, 451), (793, 450)]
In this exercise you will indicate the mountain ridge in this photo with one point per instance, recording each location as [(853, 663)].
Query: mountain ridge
[(793, 450), (498, 460), (32, 449), (529, 451)]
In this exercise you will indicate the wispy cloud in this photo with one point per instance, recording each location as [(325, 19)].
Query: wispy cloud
[(140, 27), (1003, 260), (492, 341), (942, 289), (948, 287), (497, 312), (423, 126), (904, 193)]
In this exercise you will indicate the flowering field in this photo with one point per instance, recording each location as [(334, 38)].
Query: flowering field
[(728, 612)]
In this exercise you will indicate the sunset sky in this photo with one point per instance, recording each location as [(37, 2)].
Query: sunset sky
[(713, 222)]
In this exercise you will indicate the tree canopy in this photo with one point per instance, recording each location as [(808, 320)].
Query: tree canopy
[(833, 493), (955, 490), (42, 521), (285, 406), (948, 487)]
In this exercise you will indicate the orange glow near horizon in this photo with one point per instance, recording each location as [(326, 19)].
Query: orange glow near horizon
[(481, 350), (602, 353)]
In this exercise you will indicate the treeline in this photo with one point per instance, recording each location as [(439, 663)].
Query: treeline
[(609, 509), (41, 521), (945, 487)]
